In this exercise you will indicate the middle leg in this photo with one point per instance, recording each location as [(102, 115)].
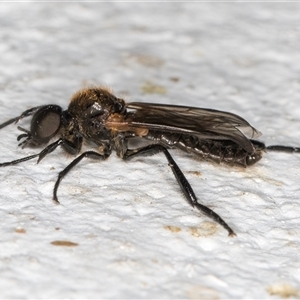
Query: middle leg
[(181, 179)]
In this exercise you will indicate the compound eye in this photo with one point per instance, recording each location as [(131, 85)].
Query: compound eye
[(45, 123)]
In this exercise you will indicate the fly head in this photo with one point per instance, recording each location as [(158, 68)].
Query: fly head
[(45, 123)]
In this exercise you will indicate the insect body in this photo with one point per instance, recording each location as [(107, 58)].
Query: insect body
[(95, 115)]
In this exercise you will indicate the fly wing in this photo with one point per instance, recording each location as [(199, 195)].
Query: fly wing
[(203, 123)]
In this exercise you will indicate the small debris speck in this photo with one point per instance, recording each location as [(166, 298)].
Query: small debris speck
[(172, 228), (64, 243)]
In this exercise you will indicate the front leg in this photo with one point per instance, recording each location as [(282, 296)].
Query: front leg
[(66, 170), (181, 179), (25, 114), (49, 149)]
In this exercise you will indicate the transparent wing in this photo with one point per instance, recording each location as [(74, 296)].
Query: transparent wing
[(200, 122)]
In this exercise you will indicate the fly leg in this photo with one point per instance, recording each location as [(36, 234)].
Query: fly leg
[(70, 147), (26, 113), (17, 161), (65, 171), (50, 148), (181, 179), (286, 149)]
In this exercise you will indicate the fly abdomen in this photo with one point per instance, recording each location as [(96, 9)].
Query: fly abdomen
[(221, 151)]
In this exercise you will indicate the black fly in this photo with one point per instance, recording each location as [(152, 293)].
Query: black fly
[(96, 115)]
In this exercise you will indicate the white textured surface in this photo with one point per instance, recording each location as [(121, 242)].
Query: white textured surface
[(136, 235)]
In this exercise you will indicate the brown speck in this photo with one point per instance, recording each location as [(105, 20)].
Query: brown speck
[(152, 88), (205, 229), (64, 243), (283, 290), (197, 173), (174, 79), (20, 230), (194, 231), (172, 228), (202, 292)]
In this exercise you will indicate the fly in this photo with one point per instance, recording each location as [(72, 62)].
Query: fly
[(95, 115)]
